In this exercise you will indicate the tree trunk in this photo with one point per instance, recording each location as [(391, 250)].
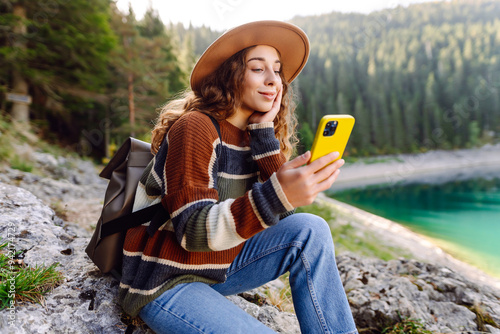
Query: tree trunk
[(131, 105), (20, 110)]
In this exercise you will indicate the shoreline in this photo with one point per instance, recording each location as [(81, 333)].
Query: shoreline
[(421, 248), (431, 167)]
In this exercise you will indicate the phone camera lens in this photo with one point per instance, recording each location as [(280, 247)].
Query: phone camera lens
[(330, 128)]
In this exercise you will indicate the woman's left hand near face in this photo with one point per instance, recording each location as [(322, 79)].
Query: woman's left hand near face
[(262, 117)]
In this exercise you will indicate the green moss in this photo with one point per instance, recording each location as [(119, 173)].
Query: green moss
[(483, 318)]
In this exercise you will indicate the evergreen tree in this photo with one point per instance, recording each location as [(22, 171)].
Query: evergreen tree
[(417, 77), (360, 138), (49, 55), (147, 62), (419, 73)]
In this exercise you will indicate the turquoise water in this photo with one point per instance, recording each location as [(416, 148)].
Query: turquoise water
[(461, 216)]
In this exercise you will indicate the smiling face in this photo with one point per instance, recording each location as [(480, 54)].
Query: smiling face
[(262, 80)]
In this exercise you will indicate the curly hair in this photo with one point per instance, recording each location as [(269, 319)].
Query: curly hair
[(220, 96)]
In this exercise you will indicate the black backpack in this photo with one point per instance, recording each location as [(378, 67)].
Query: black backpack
[(123, 171)]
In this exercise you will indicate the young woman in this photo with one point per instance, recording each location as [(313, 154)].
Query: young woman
[(221, 171)]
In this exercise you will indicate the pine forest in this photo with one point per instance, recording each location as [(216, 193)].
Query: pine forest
[(416, 78)]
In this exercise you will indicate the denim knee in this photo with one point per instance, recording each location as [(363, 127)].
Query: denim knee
[(314, 226)]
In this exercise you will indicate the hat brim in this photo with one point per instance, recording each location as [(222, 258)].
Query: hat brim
[(290, 41)]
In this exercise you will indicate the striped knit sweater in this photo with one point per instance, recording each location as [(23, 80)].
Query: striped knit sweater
[(219, 193)]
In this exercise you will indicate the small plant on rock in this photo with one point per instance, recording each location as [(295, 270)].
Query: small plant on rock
[(407, 326), (22, 283)]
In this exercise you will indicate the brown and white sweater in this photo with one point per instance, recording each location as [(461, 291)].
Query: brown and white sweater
[(219, 193)]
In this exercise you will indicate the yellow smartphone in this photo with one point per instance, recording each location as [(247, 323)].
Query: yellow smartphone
[(332, 135)]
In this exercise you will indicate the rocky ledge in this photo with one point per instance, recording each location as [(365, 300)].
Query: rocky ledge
[(380, 293)]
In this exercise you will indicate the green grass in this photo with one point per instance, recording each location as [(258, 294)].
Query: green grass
[(30, 284), (10, 136), (13, 137), (17, 162), (5, 139), (407, 326), (281, 298), (373, 159)]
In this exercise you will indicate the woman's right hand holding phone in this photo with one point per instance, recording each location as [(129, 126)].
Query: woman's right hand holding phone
[(301, 183)]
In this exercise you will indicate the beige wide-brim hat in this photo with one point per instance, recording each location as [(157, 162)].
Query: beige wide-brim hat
[(290, 41)]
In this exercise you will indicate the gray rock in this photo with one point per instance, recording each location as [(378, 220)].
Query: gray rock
[(73, 170), (281, 322), (492, 329), (49, 189), (387, 292), (48, 240)]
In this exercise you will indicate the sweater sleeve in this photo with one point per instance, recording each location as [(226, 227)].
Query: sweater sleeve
[(265, 149), (201, 222)]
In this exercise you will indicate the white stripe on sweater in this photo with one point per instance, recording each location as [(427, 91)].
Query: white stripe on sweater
[(141, 292), (221, 227), (264, 125), (265, 155), (186, 206), (237, 176), (176, 264), (281, 194), (236, 148), (211, 164), (157, 177)]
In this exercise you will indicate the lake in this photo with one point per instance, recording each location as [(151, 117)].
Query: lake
[(458, 210)]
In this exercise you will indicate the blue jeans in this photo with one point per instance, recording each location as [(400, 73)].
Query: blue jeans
[(301, 244)]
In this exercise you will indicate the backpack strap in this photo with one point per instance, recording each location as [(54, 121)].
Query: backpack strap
[(155, 213), (133, 219), (162, 215), (216, 124)]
